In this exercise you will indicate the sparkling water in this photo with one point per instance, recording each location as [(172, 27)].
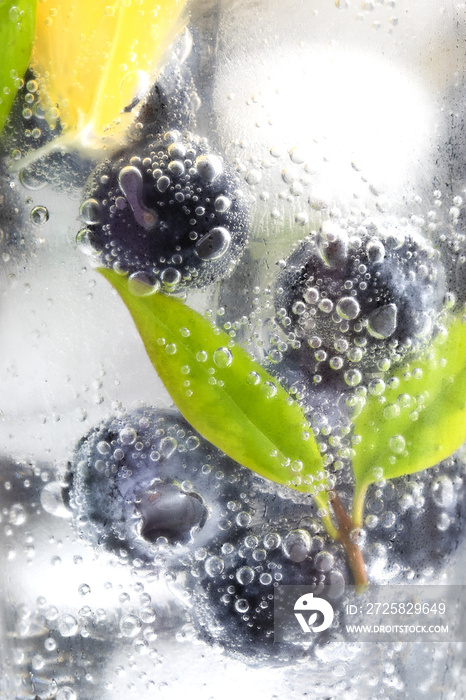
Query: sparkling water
[(137, 559)]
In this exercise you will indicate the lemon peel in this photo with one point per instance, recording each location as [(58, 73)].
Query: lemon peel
[(92, 58)]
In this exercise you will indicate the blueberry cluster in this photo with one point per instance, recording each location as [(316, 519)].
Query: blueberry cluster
[(147, 488), (363, 300), (168, 208)]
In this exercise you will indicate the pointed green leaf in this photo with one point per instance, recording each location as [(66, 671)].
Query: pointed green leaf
[(225, 395), (17, 26), (420, 418)]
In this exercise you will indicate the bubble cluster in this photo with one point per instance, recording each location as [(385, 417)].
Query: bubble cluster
[(361, 297), (169, 208), (146, 483), (413, 524), (234, 600)]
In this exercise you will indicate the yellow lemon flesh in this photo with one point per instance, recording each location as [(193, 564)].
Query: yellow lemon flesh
[(93, 57)]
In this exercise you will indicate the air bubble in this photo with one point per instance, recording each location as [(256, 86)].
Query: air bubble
[(245, 575), (253, 177), (353, 377), (269, 390), (443, 522), (177, 150), (348, 308), (209, 167), (39, 216), (443, 492), (326, 305), (84, 243), (139, 285), (336, 362), (272, 540), (397, 444), (297, 155), (242, 606), (296, 545), (383, 321), (170, 277), (222, 357), (90, 212), (375, 251), (214, 244), (222, 204), (298, 308), (130, 626), (376, 387), (51, 498), (391, 411), (127, 436), (17, 515), (311, 295), (324, 561), (243, 519), (214, 566), (163, 183), (67, 626)]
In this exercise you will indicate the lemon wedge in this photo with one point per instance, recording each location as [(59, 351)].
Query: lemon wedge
[(92, 58)]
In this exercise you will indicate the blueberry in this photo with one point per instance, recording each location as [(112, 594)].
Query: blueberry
[(146, 483), (12, 238), (168, 208), (233, 587), (26, 131), (362, 298), (414, 524), (172, 101)]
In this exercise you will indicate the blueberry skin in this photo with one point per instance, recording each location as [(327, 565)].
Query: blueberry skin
[(145, 484), (415, 524), (12, 237), (173, 101), (131, 485), (233, 589), (169, 208), (361, 298), (26, 130)]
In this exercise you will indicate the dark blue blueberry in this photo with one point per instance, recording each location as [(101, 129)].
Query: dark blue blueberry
[(12, 215), (363, 299), (172, 102), (168, 208), (146, 482), (26, 132), (415, 524), (233, 588)]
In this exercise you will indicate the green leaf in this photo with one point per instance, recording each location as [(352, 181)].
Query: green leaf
[(225, 395), (420, 418), (17, 27)]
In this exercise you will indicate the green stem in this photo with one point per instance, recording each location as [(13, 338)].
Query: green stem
[(357, 514), (330, 527), (321, 499)]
